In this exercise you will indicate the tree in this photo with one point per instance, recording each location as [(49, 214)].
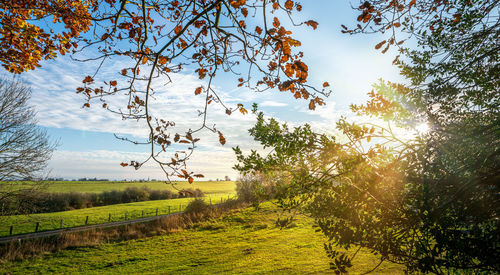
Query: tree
[(430, 202), (25, 149), (157, 39)]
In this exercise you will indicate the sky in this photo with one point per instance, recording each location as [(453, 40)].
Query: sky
[(87, 146)]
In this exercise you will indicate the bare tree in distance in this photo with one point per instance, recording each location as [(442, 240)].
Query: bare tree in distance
[(25, 148)]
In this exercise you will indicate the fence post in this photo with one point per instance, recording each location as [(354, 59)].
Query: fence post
[(86, 220), (169, 209), (11, 228), (61, 226), (156, 211), (37, 225), (109, 217)]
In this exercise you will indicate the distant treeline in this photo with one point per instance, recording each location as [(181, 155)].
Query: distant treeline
[(30, 202)]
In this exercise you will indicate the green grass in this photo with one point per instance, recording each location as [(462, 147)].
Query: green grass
[(242, 242), (209, 187), (50, 221)]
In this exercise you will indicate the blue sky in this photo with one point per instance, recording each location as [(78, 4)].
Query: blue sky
[(88, 147)]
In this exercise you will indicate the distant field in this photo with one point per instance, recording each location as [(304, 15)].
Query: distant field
[(209, 187), (49, 221), (245, 242)]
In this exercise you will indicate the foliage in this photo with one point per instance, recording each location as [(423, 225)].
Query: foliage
[(26, 42), (429, 202), (398, 197), (156, 40)]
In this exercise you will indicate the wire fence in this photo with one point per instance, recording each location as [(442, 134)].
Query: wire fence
[(53, 223)]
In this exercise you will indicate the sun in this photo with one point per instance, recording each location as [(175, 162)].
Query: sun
[(422, 128)]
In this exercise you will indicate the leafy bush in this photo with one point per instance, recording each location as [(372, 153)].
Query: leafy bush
[(253, 188), (197, 205)]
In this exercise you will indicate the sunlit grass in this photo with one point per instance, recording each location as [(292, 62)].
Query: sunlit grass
[(244, 242)]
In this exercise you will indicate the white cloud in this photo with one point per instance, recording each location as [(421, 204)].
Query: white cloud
[(269, 103)]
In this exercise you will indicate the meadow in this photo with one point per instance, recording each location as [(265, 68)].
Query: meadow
[(215, 192), (208, 187), (243, 241)]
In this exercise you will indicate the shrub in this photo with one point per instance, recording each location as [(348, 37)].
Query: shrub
[(252, 188), (135, 194), (197, 205)]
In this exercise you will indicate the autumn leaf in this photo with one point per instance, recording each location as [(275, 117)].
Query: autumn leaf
[(113, 83), (123, 164), (258, 30), (222, 139), (243, 111), (312, 24), (325, 84), (312, 105), (289, 5), (88, 79), (178, 29), (124, 71), (144, 60), (379, 45), (190, 180), (162, 60), (198, 90)]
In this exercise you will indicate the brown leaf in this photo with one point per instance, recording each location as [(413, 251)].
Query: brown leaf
[(222, 139), (312, 105), (312, 24), (379, 45), (198, 90)]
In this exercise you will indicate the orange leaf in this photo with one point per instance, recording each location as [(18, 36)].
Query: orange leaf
[(325, 84), (88, 78), (178, 29), (124, 72), (123, 164), (198, 90), (312, 105), (113, 83), (190, 179), (289, 5), (162, 60), (144, 60), (222, 139), (258, 30)]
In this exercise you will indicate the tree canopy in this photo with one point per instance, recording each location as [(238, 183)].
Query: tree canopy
[(156, 39)]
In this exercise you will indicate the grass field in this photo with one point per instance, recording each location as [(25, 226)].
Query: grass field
[(244, 242), (48, 221), (209, 187)]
